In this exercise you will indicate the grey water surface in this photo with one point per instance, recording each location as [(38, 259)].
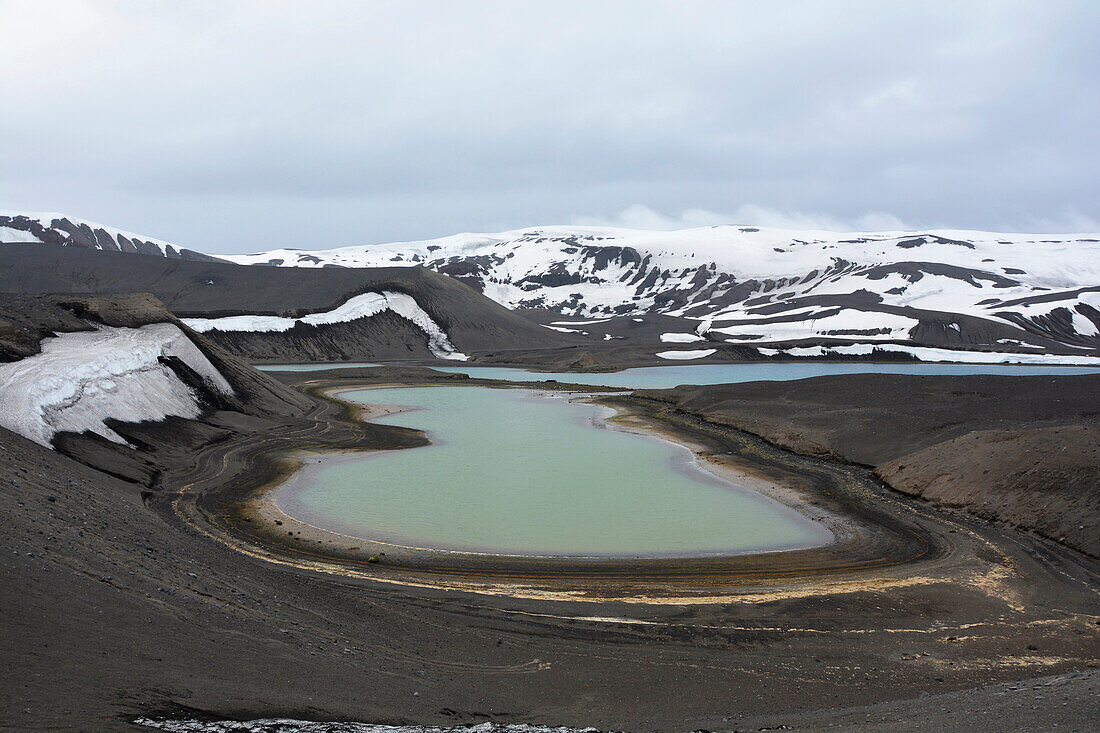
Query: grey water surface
[(669, 376)]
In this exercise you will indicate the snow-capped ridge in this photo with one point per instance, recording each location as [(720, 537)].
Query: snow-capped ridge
[(960, 289), (57, 228)]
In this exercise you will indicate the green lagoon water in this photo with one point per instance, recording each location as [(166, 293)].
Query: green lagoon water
[(513, 472)]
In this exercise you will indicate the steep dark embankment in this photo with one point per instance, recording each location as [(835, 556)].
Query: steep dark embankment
[(26, 320), (256, 403), (1017, 449), (214, 289)]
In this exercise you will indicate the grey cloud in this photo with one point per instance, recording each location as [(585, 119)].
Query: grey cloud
[(231, 127)]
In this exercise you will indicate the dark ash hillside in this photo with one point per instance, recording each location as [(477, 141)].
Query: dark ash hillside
[(25, 321), (1023, 450), (214, 289)]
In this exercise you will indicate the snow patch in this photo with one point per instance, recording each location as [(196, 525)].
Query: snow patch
[(1083, 326), (927, 353), (685, 355), (361, 306), (563, 329), (79, 380), (11, 236), (680, 338), (581, 323), (850, 323)]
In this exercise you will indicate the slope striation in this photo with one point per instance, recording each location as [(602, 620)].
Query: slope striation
[(71, 232)]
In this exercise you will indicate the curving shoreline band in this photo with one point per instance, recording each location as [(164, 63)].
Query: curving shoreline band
[(875, 534)]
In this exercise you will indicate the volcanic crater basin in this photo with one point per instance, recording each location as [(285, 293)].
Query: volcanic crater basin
[(516, 472)]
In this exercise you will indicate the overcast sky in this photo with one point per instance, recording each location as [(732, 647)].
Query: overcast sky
[(229, 127)]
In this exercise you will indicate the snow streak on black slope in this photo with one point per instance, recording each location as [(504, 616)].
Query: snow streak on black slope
[(324, 303)]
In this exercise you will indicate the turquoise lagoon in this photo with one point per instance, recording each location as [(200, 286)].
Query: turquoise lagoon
[(514, 472)]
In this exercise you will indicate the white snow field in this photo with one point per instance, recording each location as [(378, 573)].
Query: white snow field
[(686, 354), (78, 380), (360, 306)]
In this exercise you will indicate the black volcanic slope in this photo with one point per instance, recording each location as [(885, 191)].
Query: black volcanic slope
[(212, 289), (1025, 450)]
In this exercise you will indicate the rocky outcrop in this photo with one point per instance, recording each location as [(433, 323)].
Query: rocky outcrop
[(64, 231)]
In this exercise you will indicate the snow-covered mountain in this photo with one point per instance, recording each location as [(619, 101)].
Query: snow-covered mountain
[(53, 228), (735, 286), (749, 285)]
